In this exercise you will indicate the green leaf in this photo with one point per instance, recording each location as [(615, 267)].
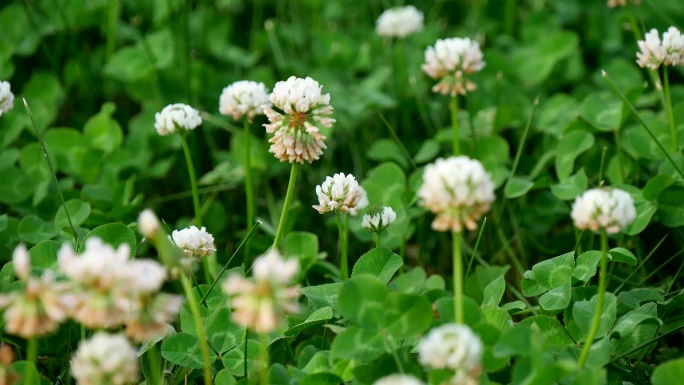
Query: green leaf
[(387, 150), (603, 110), (223, 335), (321, 379), (78, 211), (644, 213), (643, 332), (630, 321), (44, 254), (15, 186), (234, 360), (583, 314), (557, 298), (322, 295), (571, 187), (599, 353), (300, 244), (472, 313), (655, 186), (554, 272), (517, 187), (668, 373), (407, 315), (570, 147), (102, 131), (22, 368), (381, 263), (32, 229), (114, 234), (514, 341), (493, 293), (497, 317), (223, 377), (359, 344), (362, 300), (318, 317), (551, 329), (620, 254), (427, 151), (184, 350), (585, 266)]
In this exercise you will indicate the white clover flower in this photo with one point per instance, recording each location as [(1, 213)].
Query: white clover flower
[(378, 218), (610, 209), (302, 109), (148, 223), (399, 22), (451, 346), (462, 378), (654, 52), (621, 3), (194, 242), (399, 379), (673, 41), (176, 118), (458, 190), (105, 359), (244, 98), (274, 267), (6, 97), (152, 315), (338, 193), (452, 61), (21, 262), (144, 276), (361, 204)]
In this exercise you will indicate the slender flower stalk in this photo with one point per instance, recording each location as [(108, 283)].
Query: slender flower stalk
[(454, 125), (31, 355), (286, 205), (668, 105), (249, 188), (344, 269), (199, 325), (596, 320), (458, 277)]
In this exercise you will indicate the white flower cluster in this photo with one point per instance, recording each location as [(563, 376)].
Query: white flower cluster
[(454, 347), (339, 193), (609, 209), (257, 303), (148, 223), (399, 22), (105, 359), (194, 242), (6, 97), (458, 190), (654, 52), (244, 98), (621, 3), (176, 118), (452, 61), (303, 107), (398, 379), (378, 219)]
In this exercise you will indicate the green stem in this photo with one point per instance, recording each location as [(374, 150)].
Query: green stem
[(399, 143), (458, 278), (153, 359), (264, 372), (199, 325), (344, 270), (454, 124), (668, 103), (393, 348), (249, 189), (245, 357), (596, 321), (477, 244), (112, 17), (31, 355), (603, 162), (377, 240), (286, 205)]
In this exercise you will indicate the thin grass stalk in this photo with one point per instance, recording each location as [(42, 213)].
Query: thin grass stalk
[(596, 321)]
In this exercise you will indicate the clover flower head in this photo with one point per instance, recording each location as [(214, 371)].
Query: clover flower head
[(176, 118), (452, 61), (654, 52), (378, 218), (399, 22), (6, 97), (105, 359), (609, 209), (673, 41), (361, 204), (339, 193), (451, 346), (299, 110), (152, 315), (399, 379), (8, 375), (458, 190), (621, 3), (274, 267), (244, 98), (148, 223), (194, 242), (144, 276)]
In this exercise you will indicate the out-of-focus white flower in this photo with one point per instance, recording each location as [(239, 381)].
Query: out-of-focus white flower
[(399, 22), (462, 378), (275, 268), (361, 204), (244, 98), (653, 52), (21, 262), (6, 97), (151, 316), (176, 118), (105, 359), (194, 242), (451, 346), (302, 109), (338, 193), (144, 276), (458, 190), (621, 3), (452, 61), (378, 219), (148, 223), (609, 209), (398, 379)]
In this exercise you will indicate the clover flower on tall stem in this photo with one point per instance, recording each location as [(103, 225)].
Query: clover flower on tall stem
[(377, 220), (340, 194), (459, 190), (6, 97), (399, 22), (607, 211), (245, 99), (453, 347), (299, 111), (452, 62), (668, 52)]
